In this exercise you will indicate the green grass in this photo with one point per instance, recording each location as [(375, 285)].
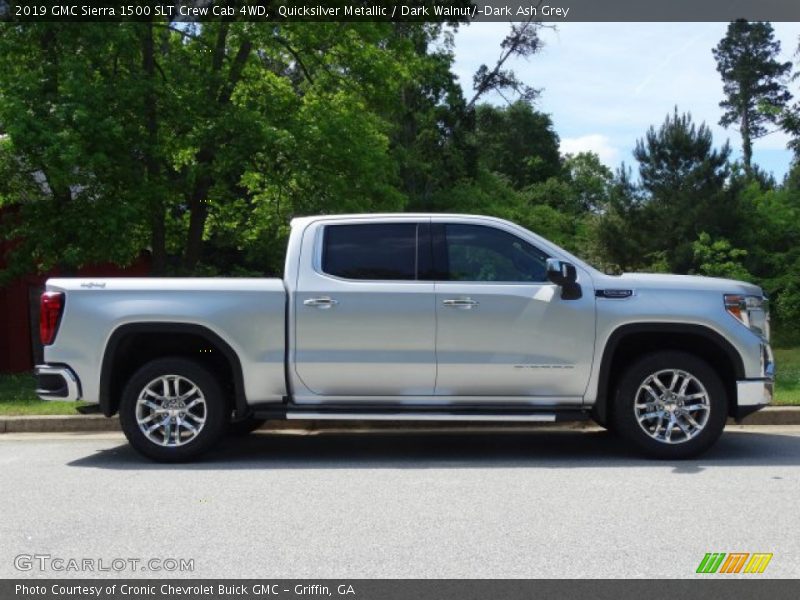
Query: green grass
[(787, 376), (18, 398)]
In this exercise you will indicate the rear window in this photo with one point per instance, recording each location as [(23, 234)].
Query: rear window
[(383, 251)]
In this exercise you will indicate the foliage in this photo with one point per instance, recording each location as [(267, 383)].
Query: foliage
[(517, 142), (753, 80), (196, 138), (681, 191), (717, 258)]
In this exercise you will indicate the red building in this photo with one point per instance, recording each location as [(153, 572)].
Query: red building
[(20, 349)]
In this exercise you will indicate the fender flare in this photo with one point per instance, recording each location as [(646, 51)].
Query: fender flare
[(600, 407), (107, 405)]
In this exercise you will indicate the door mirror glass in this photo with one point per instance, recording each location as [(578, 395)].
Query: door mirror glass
[(561, 272)]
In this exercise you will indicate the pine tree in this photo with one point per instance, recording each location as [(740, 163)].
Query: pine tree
[(753, 79)]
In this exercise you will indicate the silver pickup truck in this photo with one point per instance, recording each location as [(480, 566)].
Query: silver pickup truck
[(411, 317)]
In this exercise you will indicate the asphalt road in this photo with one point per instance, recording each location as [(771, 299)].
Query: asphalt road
[(541, 504)]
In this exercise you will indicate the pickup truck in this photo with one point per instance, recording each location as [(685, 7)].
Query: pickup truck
[(411, 317)]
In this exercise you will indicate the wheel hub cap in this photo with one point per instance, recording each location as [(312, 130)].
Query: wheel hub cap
[(171, 410), (672, 406)]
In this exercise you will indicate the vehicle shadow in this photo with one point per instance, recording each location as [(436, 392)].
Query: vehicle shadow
[(428, 450)]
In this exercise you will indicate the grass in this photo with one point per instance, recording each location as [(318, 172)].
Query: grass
[(787, 376), (17, 396)]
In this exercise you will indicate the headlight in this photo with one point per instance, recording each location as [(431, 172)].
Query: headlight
[(751, 311)]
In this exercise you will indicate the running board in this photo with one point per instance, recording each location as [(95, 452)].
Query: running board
[(489, 414), (421, 416)]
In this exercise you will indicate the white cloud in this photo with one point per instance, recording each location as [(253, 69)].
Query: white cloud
[(594, 142)]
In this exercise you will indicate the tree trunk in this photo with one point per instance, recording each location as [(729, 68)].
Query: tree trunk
[(747, 144)]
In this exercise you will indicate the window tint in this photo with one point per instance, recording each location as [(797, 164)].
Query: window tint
[(478, 253), (375, 251)]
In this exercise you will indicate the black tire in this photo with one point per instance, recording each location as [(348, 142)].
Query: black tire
[(245, 426), (216, 413), (627, 424)]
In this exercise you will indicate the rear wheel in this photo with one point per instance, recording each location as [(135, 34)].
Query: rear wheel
[(172, 410), (671, 405)]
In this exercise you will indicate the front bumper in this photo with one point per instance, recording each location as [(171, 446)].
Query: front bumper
[(754, 394), (57, 382)]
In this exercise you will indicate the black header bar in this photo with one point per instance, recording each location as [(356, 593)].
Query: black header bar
[(286, 11)]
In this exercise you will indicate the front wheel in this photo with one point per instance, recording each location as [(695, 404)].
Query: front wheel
[(172, 410), (671, 405)]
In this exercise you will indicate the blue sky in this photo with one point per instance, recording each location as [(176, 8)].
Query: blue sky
[(604, 84)]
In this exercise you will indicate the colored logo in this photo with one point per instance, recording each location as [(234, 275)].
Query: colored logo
[(734, 562)]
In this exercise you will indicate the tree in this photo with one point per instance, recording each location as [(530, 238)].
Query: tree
[(717, 258), (682, 191), (790, 119), (431, 136), (753, 81), (518, 142), (198, 143), (523, 41)]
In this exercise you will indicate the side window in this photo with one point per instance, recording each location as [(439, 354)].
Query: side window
[(480, 253), (377, 251)]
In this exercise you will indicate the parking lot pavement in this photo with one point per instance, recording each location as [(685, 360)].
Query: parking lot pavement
[(549, 503)]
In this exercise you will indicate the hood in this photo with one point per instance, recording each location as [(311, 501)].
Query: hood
[(678, 282)]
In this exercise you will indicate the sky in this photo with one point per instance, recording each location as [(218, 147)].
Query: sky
[(604, 84)]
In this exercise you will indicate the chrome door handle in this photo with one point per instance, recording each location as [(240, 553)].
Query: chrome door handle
[(460, 302), (323, 302)]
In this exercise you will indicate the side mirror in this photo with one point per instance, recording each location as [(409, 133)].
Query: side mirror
[(564, 275)]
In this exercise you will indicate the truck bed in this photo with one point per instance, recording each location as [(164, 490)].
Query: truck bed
[(248, 314)]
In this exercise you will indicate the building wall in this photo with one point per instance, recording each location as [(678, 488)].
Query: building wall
[(19, 310)]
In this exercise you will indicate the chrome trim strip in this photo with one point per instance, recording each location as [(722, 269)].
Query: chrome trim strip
[(419, 416), (73, 387)]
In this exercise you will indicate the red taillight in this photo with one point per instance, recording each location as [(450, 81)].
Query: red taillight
[(50, 309)]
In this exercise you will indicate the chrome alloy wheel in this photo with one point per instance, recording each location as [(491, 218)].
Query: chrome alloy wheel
[(672, 406), (171, 411)]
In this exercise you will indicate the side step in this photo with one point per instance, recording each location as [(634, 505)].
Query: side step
[(493, 414), (421, 416)]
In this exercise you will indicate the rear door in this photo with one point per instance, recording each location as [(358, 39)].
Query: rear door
[(503, 330), (364, 319)]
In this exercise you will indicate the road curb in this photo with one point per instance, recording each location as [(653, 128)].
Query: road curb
[(773, 415)]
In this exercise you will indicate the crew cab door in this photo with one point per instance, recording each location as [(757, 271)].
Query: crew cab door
[(364, 319), (503, 330)]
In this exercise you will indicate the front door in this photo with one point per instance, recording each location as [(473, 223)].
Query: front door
[(503, 330), (364, 318)]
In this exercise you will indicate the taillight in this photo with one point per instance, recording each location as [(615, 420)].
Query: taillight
[(50, 309)]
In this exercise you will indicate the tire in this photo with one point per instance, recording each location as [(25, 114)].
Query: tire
[(245, 426), (668, 418), (193, 420)]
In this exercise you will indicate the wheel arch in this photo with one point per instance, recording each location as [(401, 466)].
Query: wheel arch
[(634, 339), (137, 342)]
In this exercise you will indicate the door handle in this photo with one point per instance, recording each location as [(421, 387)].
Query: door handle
[(323, 302), (460, 302)]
